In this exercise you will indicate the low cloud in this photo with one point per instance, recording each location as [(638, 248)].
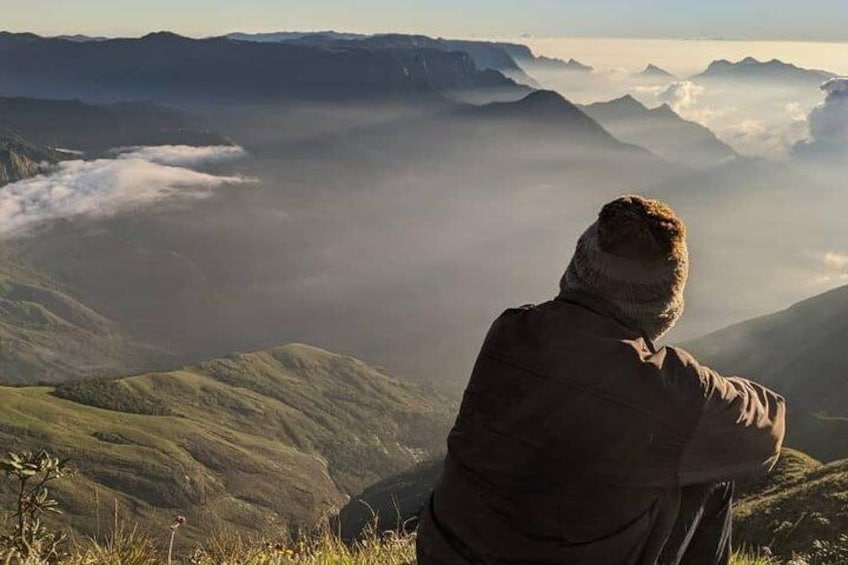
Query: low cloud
[(686, 98), (828, 123), (138, 177), (181, 155), (681, 95), (835, 261), (833, 269)]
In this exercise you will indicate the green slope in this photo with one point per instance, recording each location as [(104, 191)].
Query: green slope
[(256, 441), (803, 504), (46, 335)]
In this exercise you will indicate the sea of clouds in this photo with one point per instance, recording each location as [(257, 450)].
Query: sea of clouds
[(136, 177)]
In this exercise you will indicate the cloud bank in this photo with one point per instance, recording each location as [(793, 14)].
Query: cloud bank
[(181, 155), (829, 122), (828, 127), (102, 187)]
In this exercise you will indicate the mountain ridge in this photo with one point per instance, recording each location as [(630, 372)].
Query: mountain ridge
[(170, 68), (750, 68), (661, 131), (72, 124)]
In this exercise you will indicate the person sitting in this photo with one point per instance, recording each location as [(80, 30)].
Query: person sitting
[(580, 441)]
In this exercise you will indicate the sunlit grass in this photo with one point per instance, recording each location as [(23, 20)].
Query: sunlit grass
[(129, 547)]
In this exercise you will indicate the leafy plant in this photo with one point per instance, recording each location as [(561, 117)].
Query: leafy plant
[(829, 552), (32, 473)]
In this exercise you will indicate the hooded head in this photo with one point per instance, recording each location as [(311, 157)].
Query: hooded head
[(634, 257)]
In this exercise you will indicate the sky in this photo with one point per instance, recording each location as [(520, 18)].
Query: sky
[(810, 20)]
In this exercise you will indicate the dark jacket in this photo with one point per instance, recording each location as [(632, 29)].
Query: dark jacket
[(575, 437)]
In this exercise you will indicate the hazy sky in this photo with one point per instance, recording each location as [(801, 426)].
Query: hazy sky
[(737, 19)]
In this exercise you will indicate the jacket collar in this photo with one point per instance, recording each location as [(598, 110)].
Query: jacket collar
[(602, 308)]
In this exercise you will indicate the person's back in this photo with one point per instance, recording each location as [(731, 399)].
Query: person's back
[(578, 442)]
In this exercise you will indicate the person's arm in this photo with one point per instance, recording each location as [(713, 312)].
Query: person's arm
[(739, 430)]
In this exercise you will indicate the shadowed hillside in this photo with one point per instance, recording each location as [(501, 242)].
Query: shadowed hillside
[(46, 335), (801, 353), (71, 124), (253, 442)]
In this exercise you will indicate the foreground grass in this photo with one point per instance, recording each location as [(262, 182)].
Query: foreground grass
[(128, 547)]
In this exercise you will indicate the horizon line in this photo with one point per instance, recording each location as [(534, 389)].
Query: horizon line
[(475, 36)]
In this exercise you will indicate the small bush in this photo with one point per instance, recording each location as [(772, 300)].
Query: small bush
[(109, 394), (32, 473)]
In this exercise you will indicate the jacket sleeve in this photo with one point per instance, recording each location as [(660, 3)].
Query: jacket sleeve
[(739, 430)]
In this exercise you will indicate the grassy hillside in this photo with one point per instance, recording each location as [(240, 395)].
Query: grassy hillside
[(46, 335), (251, 442), (797, 511)]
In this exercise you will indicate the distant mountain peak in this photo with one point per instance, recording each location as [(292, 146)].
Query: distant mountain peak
[(628, 101), (544, 98), (624, 106), (578, 66), (164, 36), (753, 68), (655, 71)]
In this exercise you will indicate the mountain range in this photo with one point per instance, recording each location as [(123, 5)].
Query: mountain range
[(169, 68), (661, 131), (774, 70), (511, 59), (500, 57)]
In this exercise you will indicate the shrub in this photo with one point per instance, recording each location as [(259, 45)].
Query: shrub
[(32, 474)]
